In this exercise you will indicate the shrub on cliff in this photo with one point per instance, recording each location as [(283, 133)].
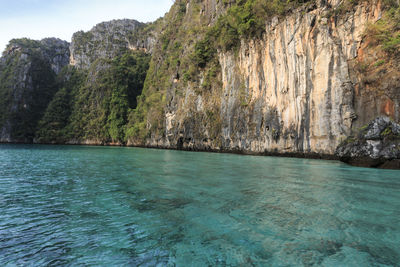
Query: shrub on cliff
[(27, 84), (244, 19), (94, 104), (51, 128), (386, 31), (247, 18)]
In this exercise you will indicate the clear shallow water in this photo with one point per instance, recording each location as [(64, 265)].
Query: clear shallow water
[(73, 205)]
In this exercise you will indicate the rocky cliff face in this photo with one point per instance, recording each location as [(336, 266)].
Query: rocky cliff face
[(56, 52), (109, 39), (27, 84), (299, 95), (290, 92), (87, 102), (53, 50)]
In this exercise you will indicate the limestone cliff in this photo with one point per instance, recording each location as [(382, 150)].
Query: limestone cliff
[(108, 40), (299, 95), (292, 91), (28, 72), (45, 101)]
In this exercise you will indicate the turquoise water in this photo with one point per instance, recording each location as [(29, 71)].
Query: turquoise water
[(85, 206)]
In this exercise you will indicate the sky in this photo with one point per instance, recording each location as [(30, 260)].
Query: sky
[(38, 19)]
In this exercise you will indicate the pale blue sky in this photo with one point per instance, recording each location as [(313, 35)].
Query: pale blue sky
[(37, 19)]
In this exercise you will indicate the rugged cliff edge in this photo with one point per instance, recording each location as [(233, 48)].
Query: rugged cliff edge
[(108, 40), (264, 77)]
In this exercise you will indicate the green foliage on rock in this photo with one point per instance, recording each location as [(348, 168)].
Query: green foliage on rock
[(386, 31), (185, 59), (127, 75), (149, 114), (27, 84), (246, 19), (94, 104), (52, 127), (204, 51)]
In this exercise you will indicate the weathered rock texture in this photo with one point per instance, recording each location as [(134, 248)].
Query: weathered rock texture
[(290, 92), (109, 39), (56, 52), (375, 145)]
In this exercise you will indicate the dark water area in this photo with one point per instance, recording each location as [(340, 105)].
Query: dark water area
[(112, 206)]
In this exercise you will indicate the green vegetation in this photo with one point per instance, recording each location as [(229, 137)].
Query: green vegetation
[(160, 76), (127, 75), (387, 131), (212, 77), (204, 51), (22, 103), (246, 19), (25, 43), (386, 32), (94, 104), (379, 63), (52, 127), (7, 80)]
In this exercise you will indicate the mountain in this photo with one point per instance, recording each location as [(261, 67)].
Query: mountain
[(28, 71), (98, 89), (296, 78)]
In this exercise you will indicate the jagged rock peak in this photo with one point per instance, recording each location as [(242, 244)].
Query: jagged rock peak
[(26, 43), (117, 25), (107, 40), (53, 50)]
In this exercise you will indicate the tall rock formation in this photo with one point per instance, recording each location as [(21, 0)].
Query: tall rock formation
[(108, 40), (294, 90), (54, 92), (299, 94), (28, 72), (108, 65)]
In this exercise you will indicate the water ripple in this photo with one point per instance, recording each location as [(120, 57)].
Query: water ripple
[(83, 206)]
